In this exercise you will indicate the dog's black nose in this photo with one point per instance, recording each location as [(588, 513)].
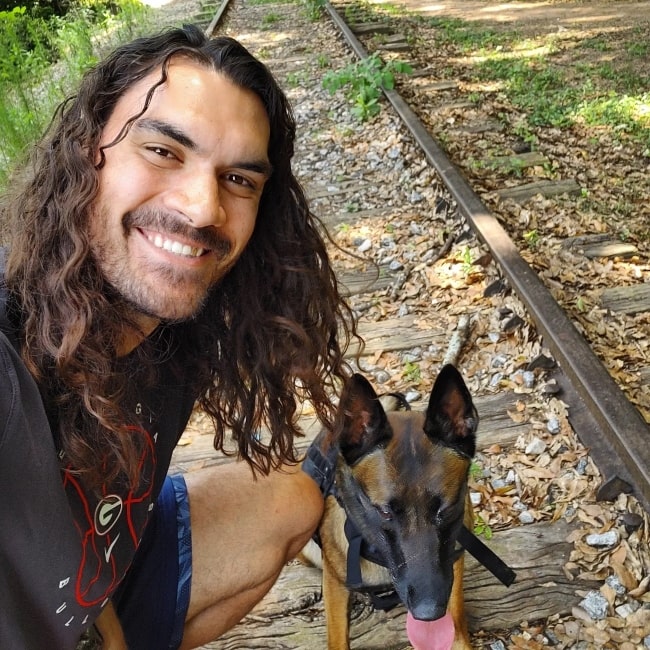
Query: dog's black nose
[(427, 610)]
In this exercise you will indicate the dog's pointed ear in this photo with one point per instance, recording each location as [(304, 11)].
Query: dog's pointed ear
[(362, 421), (451, 417)]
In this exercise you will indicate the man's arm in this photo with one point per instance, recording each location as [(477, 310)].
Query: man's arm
[(110, 630)]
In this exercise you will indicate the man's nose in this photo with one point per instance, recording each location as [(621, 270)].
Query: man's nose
[(197, 198)]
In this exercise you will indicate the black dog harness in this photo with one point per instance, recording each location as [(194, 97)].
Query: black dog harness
[(322, 468)]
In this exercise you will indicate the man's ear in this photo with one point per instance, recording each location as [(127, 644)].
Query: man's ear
[(362, 421)]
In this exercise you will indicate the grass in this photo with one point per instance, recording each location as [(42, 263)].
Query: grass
[(602, 91), (470, 37), (270, 20)]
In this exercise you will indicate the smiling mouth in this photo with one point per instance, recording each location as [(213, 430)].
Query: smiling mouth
[(175, 247)]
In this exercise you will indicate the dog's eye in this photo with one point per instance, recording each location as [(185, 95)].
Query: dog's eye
[(438, 510), (385, 512)]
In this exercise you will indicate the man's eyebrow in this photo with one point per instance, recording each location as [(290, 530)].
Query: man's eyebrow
[(258, 166), (262, 166), (166, 129)]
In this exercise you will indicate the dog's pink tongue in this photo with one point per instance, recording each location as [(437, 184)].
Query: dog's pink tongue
[(430, 635)]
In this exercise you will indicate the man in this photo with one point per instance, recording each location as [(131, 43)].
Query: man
[(163, 253)]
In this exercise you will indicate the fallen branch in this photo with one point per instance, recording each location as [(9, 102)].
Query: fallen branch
[(458, 340)]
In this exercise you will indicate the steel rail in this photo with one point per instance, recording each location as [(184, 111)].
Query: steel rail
[(602, 416), (216, 19)]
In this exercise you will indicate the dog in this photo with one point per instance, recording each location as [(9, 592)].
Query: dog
[(400, 483)]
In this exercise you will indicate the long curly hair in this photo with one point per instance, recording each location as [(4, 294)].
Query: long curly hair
[(273, 332)]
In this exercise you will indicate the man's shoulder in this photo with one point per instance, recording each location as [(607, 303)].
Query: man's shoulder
[(20, 399), (11, 368), (6, 326)]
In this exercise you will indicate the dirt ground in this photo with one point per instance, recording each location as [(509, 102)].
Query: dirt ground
[(538, 16)]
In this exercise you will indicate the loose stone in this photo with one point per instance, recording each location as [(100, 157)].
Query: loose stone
[(610, 538), (595, 605)]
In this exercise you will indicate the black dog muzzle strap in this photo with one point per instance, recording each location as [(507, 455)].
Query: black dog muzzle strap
[(488, 558), (321, 466)]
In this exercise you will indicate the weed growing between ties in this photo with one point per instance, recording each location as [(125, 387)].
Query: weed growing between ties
[(364, 81)]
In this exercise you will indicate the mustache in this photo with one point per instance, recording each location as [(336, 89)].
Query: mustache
[(152, 219)]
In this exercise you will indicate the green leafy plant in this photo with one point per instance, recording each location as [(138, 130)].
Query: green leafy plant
[(481, 527), (314, 9), (468, 260), (323, 61), (532, 238), (412, 372), (295, 79), (475, 471), (364, 82)]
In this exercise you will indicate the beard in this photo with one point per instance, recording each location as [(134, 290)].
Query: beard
[(154, 288)]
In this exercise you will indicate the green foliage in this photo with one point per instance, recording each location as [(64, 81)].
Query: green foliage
[(323, 61), (610, 92), (294, 79), (469, 36), (269, 20), (43, 54), (36, 7), (475, 471), (412, 372), (314, 9), (27, 48), (468, 260), (532, 238), (626, 114), (364, 82), (481, 527)]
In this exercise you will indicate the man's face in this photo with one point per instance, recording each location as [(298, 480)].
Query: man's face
[(178, 196)]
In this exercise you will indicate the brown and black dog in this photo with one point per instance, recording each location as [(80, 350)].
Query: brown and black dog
[(401, 481)]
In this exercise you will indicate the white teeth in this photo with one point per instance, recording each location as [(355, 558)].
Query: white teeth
[(175, 247)]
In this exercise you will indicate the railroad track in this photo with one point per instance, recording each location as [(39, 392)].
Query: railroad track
[(607, 424), (610, 425)]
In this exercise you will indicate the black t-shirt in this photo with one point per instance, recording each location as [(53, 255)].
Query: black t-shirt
[(63, 548)]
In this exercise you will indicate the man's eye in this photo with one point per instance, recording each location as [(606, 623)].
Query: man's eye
[(237, 179), (161, 151)]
